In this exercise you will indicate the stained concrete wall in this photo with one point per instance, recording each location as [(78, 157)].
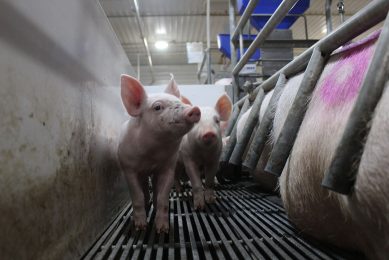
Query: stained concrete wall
[(60, 115)]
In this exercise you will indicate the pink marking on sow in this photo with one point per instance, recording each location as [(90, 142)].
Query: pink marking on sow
[(343, 81)]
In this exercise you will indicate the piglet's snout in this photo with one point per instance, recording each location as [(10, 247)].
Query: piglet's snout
[(209, 137), (192, 114)]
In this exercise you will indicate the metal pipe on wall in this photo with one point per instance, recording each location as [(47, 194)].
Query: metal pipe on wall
[(328, 15), (340, 6), (144, 40), (231, 12), (342, 173), (209, 76)]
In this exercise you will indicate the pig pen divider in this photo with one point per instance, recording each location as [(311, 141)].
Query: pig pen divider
[(366, 18), (342, 173)]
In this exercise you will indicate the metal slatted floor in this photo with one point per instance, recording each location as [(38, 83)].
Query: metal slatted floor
[(243, 224)]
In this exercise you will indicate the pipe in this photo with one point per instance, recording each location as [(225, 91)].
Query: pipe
[(342, 173), (252, 120), (285, 141), (144, 40), (297, 15), (274, 20), (241, 43), (263, 131), (370, 15), (328, 16), (209, 76), (243, 19), (340, 6), (231, 142), (231, 12)]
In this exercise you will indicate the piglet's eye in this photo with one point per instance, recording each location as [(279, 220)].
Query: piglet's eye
[(157, 107), (217, 120)]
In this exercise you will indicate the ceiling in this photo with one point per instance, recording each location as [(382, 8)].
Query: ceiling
[(185, 21)]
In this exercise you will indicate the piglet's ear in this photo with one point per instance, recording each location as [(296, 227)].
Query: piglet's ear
[(133, 95), (172, 87), (185, 100), (223, 107)]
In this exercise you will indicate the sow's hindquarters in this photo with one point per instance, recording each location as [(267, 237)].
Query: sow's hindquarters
[(359, 221)]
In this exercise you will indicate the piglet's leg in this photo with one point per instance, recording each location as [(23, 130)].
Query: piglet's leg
[(210, 173), (193, 172), (162, 184), (138, 200)]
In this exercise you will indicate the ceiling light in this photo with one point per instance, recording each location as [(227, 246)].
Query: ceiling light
[(161, 31), (161, 45)]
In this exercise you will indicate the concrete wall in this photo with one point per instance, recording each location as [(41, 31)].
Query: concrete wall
[(60, 116)]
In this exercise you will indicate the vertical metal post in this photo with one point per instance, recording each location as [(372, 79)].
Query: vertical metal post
[(235, 87), (263, 131), (231, 13), (231, 142), (342, 173), (328, 16), (285, 141), (209, 78), (252, 120), (241, 42), (340, 6)]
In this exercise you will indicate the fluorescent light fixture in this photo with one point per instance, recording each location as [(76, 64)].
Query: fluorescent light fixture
[(160, 31), (161, 45)]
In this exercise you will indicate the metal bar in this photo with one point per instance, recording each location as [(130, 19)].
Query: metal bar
[(328, 16), (123, 215), (370, 15), (232, 120), (201, 67), (288, 15), (305, 26), (263, 131), (231, 16), (252, 120), (340, 6), (224, 223), (209, 79), (241, 43), (274, 20), (285, 141), (231, 142), (283, 43), (144, 40), (342, 173), (243, 19)]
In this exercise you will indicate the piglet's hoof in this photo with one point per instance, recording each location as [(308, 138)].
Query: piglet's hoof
[(198, 201), (162, 226), (140, 224), (210, 196)]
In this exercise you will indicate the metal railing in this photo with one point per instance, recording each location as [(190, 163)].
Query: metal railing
[(312, 60)]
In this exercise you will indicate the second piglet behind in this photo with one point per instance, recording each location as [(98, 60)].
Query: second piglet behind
[(201, 148)]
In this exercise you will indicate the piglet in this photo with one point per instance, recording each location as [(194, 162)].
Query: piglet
[(149, 144), (201, 148)]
